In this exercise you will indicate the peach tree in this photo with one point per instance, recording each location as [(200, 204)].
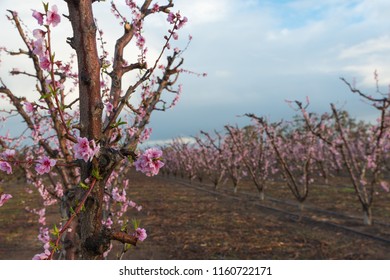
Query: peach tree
[(86, 119)]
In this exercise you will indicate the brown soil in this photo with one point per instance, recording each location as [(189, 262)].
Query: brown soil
[(186, 222)]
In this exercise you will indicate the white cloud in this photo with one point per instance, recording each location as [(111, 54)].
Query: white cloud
[(201, 12), (369, 47)]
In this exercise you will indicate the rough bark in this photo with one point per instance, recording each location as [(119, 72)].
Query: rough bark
[(92, 238)]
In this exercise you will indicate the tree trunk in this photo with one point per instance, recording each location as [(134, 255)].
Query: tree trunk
[(92, 240), (367, 215), (261, 195)]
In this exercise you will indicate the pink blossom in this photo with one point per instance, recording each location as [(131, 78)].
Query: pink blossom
[(44, 235), (38, 16), (53, 17), (175, 100), (45, 255), (155, 8), (39, 33), (171, 18), (371, 162), (117, 196), (39, 47), (82, 148), (42, 217), (149, 162), (45, 63), (85, 149), (94, 149), (140, 41), (109, 108), (132, 131), (182, 22), (6, 167), (42, 256), (44, 165), (140, 233), (4, 198), (123, 209), (145, 135), (28, 107), (131, 4), (108, 223), (53, 85), (59, 190)]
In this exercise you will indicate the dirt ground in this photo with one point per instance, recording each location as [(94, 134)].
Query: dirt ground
[(185, 222)]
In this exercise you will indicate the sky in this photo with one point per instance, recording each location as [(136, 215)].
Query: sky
[(257, 54)]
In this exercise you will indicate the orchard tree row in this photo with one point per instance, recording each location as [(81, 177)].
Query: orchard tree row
[(309, 149)]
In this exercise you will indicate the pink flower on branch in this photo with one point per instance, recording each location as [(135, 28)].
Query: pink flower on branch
[(38, 16), (44, 165), (44, 237), (53, 17), (182, 22), (39, 33), (85, 149), (45, 255), (117, 196), (28, 107), (4, 198), (39, 47), (140, 41), (140, 233), (109, 108), (171, 18), (108, 223), (155, 8), (6, 167), (45, 63), (149, 162)]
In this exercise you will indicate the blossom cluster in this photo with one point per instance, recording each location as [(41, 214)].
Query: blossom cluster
[(149, 162), (40, 49), (52, 16), (5, 157), (44, 237), (43, 165), (85, 149), (181, 21)]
